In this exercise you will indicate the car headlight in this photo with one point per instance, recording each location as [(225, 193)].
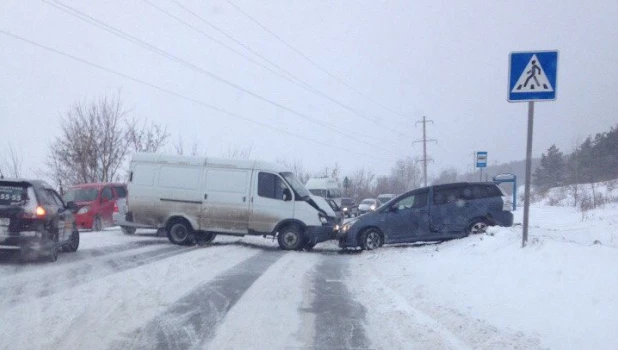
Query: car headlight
[(345, 209), (347, 225), (373, 207), (83, 210)]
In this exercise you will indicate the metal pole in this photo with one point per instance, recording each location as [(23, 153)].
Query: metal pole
[(424, 153), (524, 238)]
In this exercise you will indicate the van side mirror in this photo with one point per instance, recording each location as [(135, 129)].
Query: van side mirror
[(287, 195), (393, 208)]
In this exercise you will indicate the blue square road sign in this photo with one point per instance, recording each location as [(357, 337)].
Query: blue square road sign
[(532, 76), (481, 159)]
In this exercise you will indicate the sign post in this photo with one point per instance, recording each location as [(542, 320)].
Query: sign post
[(481, 162), (532, 77)]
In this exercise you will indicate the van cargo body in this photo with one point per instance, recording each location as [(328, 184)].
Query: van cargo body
[(196, 198)]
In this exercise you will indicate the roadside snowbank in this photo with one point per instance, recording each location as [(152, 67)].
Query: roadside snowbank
[(559, 288)]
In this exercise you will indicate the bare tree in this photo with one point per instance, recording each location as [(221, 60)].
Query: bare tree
[(146, 137), (11, 165), (95, 140), (362, 184), (446, 176), (194, 150), (297, 168), (239, 152)]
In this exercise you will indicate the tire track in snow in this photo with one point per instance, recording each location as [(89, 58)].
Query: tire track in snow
[(52, 283), (194, 319), (66, 258), (338, 318)]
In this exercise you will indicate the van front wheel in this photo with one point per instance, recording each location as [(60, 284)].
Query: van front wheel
[(180, 233), (290, 238)]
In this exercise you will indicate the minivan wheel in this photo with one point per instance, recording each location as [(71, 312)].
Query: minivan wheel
[(371, 239), (477, 226), (97, 225), (290, 238), (180, 233)]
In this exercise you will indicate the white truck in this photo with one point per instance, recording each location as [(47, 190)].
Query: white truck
[(196, 198), (325, 187)]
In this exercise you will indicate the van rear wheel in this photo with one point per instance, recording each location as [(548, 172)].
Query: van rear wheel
[(180, 232), (290, 238)]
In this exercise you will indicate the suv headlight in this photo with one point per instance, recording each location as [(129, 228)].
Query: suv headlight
[(83, 210)]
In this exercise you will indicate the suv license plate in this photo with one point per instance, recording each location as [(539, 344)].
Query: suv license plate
[(5, 221)]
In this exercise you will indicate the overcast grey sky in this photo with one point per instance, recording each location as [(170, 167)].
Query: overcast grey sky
[(447, 60)]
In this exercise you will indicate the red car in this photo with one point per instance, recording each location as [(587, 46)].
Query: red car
[(96, 203)]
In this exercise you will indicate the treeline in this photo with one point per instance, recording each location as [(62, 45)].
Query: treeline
[(594, 160)]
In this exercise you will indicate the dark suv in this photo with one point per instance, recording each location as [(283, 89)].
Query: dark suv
[(35, 220), (431, 213)]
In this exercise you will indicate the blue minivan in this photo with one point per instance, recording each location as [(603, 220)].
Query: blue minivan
[(431, 213)]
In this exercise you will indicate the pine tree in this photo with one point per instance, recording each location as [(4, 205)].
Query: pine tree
[(551, 173)]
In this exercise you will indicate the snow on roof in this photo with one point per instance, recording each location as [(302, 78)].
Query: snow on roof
[(206, 161)]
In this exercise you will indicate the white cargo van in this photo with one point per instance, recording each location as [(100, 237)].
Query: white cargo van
[(325, 188), (196, 198)]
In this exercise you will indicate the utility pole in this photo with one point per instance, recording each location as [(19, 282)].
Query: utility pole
[(424, 141)]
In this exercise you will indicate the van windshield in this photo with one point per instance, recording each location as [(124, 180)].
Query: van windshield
[(297, 186)]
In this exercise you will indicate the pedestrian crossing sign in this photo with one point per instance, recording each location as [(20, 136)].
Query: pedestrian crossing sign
[(532, 76)]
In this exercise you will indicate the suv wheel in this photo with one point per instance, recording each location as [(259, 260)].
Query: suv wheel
[(52, 252), (73, 244), (477, 226)]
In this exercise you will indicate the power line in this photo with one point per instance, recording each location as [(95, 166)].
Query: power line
[(123, 35), (173, 93), (296, 80), (341, 81), (424, 141)]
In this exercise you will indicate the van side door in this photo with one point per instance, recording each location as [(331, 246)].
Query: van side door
[(408, 218), (450, 212), (271, 201), (226, 200)]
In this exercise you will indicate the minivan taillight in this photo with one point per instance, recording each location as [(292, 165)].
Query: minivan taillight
[(507, 204), (116, 207)]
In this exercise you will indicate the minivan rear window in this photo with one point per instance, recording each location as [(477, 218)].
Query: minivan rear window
[(12, 194)]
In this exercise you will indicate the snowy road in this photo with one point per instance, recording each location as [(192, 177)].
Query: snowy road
[(141, 292)]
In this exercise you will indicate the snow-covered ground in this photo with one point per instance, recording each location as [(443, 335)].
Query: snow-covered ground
[(480, 292)]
